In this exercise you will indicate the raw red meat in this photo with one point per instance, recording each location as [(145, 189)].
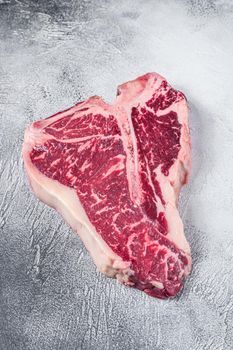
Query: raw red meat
[(114, 172)]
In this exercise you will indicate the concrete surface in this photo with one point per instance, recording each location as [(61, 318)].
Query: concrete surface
[(55, 53)]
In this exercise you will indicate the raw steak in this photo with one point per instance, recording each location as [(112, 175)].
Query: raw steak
[(114, 172)]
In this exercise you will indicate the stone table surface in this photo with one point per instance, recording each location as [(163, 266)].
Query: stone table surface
[(55, 53)]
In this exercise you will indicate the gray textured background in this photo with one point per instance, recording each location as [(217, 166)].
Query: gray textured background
[(55, 53)]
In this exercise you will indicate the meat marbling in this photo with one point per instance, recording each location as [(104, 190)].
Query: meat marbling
[(114, 172)]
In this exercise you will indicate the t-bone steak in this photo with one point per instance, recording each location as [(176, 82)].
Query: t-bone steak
[(114, 172)]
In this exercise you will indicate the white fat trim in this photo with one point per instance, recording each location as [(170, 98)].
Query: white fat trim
[(175, 225)]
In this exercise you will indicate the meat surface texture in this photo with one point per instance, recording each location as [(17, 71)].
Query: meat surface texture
[(114, 172)]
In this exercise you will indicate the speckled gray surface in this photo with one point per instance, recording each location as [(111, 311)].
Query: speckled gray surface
[(54, 53)]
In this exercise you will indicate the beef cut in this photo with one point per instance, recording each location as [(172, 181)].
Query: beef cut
[(114, 172)]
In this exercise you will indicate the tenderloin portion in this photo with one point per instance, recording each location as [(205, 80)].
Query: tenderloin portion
[(114, 172)]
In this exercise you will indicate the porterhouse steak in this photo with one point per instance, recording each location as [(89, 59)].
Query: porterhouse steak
[(114, 172)]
